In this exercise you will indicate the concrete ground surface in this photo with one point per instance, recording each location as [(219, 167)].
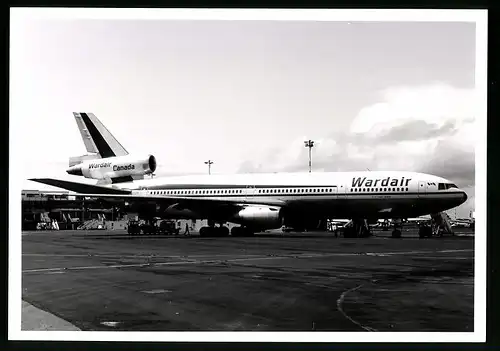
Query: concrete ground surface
[(270, 282), (36, 319)]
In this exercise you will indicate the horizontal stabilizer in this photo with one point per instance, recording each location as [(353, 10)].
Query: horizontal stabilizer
[(79, 159), (80, 187)]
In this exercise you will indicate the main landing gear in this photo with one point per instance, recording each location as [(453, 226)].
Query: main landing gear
[(212, 231), (242, 231), (358, 228), (398, 228), (424, 231)]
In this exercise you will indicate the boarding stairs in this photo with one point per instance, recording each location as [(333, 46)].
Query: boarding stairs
[(92, 224), (441, 224)]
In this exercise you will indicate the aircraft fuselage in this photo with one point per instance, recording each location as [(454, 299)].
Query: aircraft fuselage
[(332, 195)]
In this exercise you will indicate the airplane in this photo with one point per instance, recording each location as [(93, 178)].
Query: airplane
[(417, 220), (257, 201)]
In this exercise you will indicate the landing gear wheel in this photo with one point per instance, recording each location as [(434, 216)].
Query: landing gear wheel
[(425, 232), (241, 231), (204, 231), (396, 233), (223, 231)]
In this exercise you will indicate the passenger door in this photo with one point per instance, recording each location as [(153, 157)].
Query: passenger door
[(422, 187), (249, 192)]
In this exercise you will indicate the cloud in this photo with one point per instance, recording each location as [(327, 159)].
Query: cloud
[(437, 103), (428, 129), (417, 130)]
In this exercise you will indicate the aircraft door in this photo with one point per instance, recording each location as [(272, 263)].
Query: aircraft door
[(249, 192), (341, 190), (422, 187)]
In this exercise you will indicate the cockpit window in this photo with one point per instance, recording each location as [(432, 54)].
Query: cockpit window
[(443, 186)]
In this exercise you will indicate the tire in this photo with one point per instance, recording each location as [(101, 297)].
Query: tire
[(396, 233)]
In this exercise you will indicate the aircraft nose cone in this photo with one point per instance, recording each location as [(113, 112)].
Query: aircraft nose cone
[(464, 196)]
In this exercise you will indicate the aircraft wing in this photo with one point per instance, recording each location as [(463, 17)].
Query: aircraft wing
[(180, 202), (81, 188)]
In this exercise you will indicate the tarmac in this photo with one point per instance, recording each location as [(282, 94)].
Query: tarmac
[(107, 280)]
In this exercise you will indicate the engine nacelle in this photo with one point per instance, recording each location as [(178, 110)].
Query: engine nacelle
[(261, 217), (115, 167), (76, 160)]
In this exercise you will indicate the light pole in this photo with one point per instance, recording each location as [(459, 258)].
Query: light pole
[(310, 145), (209, 163)]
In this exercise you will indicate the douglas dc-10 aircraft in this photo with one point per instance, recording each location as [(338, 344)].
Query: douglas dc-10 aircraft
[(255, 201)]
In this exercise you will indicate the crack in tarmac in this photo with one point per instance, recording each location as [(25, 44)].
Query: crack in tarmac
[(188, 261)]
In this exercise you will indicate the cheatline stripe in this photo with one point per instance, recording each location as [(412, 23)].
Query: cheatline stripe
[(232, 186), (310, 194)]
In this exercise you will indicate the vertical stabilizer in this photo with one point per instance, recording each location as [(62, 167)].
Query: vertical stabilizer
[(96, 136)]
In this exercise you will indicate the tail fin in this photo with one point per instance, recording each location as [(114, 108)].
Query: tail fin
[(96, 136)]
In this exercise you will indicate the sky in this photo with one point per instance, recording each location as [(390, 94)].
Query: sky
[(246, 94)]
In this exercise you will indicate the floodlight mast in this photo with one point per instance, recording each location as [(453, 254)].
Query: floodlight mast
[(309, 144), (209, 163)]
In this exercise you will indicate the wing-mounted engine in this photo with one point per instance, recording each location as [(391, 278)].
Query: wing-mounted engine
[(122, 167), (262, 217)]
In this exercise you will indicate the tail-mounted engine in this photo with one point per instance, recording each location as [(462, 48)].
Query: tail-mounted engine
[(115, 167)]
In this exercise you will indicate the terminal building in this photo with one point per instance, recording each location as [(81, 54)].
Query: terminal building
[(42, 208)]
